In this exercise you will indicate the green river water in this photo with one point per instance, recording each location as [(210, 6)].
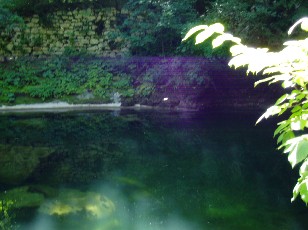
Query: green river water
[(144, 170)]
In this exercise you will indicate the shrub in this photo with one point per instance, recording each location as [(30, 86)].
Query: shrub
[(289, 67)]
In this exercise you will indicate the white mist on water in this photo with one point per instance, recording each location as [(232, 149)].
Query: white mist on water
[(40, 223), (143, 213), (172, 223)]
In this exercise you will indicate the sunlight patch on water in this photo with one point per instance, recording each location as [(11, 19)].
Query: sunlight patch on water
[(39, 223)]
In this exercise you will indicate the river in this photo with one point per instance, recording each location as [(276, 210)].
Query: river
[(144, 169)]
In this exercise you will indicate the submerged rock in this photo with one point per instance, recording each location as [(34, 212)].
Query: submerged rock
[(70, 201), (22, 197), (62, 202)]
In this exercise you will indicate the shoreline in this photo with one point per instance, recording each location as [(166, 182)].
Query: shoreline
[(61, 106), (64, 106), (50, 105)]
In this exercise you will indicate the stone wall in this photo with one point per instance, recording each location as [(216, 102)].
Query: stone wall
[(79, 29)]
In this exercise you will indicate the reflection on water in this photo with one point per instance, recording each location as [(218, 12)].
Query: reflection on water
[(138, 170)]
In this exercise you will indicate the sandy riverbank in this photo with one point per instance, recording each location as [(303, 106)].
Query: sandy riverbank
[(64, 106), (58, 106)]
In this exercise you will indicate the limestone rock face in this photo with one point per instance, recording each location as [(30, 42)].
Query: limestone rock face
[(18, 162)]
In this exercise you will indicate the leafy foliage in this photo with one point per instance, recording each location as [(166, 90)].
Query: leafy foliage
[(67, 76), (41, 7), (44, 8), (289, 67), (190, 48), (6, 216), (9, 23), (60, 77), (257, 22), (154, 27)]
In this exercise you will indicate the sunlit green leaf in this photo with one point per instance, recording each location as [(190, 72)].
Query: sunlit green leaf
[(219, 40), (287, 84), (300, 81), (290, 145), (303, 22), (286, 78), (282, 99), (270, 70), (264, 80), (217, 28), (238, 49), (284, 109), (304, 191), (282, 125), (280, 138), (295, 91), (239, 61), (194, 30), (296, 125), (303, 171), (273, 110), (296, 108), (303, 123), (299, 152), (295, 191), (300, 97), (285, 142), (201, 37)]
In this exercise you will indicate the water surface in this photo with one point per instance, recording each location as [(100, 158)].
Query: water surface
[(135, 170)]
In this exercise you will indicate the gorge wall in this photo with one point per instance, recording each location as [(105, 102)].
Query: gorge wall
[(187, 83)]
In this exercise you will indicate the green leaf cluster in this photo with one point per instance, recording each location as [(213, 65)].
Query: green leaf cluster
[(6, 216), (288, 67), (257, 22), (9, 24), (154, 27), (59, 77)]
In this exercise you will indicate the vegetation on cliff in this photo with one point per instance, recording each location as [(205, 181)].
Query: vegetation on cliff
[(156, 27), (151, 28)]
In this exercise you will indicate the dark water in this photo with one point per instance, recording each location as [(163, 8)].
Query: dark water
[(135, 170)]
